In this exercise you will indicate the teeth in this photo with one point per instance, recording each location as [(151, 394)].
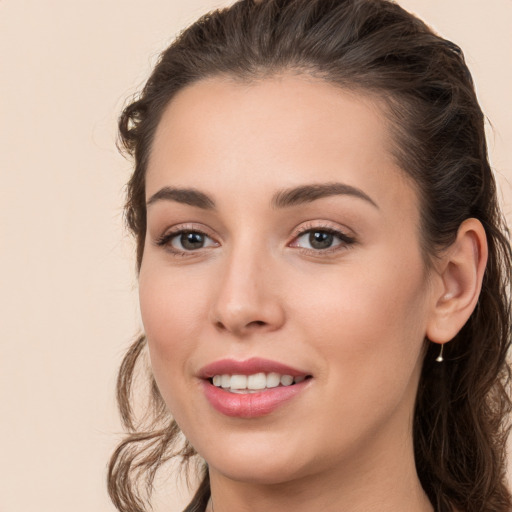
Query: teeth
[(273, 380), (238, 382), (286, 380), (257, 381), (254, 382)]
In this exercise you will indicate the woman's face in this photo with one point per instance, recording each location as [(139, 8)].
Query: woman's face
[(283, 240)]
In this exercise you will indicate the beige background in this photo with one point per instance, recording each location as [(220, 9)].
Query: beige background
[(68, 305)]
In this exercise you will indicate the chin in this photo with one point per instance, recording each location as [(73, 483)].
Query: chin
[(258, 472), (257, 461)]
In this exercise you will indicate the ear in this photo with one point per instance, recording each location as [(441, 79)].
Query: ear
[(458, 281)]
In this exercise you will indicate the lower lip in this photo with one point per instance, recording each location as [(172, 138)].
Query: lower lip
[(251, 405)]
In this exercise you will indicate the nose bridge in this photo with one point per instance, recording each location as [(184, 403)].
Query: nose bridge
[(246, 298)]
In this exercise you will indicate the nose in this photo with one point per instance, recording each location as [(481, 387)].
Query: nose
[(248, 299)]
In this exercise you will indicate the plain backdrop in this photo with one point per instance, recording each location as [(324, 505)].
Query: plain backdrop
[(68, 305)]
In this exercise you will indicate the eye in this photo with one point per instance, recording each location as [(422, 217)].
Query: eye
[(189, 240), (322, 239), (317, 240), (186, 241)]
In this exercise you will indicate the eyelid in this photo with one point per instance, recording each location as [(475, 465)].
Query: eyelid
[(346, 240), (322, 225), (164, 240)]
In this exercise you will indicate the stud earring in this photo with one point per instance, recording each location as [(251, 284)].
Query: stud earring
[(439, 358)]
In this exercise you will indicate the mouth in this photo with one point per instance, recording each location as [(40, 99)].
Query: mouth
[(256, 382), (251, 388)]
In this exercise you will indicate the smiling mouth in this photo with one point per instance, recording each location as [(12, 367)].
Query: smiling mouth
[(255, 383), (252, 388)]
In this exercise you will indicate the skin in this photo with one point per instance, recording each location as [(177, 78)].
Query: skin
[(354, 316)]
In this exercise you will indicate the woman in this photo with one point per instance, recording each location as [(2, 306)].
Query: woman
[(316, 219)]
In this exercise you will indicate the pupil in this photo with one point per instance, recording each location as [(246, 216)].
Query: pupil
[(320, 239), (192, 240)]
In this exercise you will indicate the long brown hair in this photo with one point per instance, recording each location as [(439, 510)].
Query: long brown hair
[(460, 422)]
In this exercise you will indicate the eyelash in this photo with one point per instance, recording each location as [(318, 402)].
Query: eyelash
[(345, 240), (166, 239)]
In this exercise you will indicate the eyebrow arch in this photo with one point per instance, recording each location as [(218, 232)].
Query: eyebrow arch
[(188, 196), (283, 199), (308, 193)]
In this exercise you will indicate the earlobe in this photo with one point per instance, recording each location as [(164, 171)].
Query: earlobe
[(459, 274)]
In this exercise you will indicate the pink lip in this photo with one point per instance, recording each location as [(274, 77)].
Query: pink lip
[(247, 367), (249, 405)]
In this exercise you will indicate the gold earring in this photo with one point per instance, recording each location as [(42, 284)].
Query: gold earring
[(439, 358)]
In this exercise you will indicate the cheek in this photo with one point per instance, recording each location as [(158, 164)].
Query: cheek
[(172, 313), (368, 330), (379, 295), (369, 322)]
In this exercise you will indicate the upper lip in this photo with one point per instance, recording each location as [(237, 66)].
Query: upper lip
[(247, 367)]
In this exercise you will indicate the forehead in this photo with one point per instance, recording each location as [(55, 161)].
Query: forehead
[(275, 113), (284, 131)]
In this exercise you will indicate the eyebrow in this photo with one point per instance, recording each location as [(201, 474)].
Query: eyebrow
[(309, 193), (188, 196), (283, 199)]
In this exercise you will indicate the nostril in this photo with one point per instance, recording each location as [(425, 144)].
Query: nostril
[(220, 326), (254, 325)]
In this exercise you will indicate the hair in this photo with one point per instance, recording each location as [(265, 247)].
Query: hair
[(375, 47)]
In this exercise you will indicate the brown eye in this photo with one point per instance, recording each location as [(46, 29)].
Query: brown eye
[(320, 239), (186, 241), (189, 240)]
